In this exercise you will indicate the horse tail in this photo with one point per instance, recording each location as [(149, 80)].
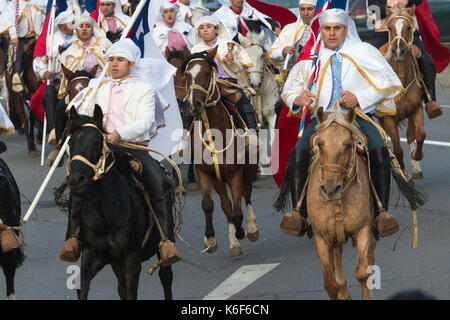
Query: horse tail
[(415, 197), (281, 202)]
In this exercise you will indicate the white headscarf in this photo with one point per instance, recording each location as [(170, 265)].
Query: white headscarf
[(311, 2), (85, 17), (117, 11), (67, 17), (160, 19), (221, 31), (340, 16)]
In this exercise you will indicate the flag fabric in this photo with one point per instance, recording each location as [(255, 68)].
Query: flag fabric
[(431, 37), (91, 5), (290, 125), (278, 13)]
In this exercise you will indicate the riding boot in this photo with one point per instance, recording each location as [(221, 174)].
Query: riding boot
[(428, 70), (294, 222), (72, 247), (17, 84), (380, 169), (157, 183), (49, 102)]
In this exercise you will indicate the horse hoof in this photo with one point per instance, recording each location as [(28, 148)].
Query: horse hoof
[(417, 175), (37, 141), (236, 251), (210, 245), (253, 236), (33, 154), (192, 186)]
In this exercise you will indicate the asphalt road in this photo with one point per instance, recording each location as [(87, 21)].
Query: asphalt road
[(275, 267)]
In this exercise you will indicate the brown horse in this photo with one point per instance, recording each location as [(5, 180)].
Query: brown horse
[(176, 58), (217, 167), (339, 201), (400, 55), (18, 100)]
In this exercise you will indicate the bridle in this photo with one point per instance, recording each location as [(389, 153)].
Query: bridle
[(99, 168), (212, 87)]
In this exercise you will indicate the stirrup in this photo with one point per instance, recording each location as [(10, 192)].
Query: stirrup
[(169, 253), (71, 250), (9, 240), (386, 224), (17, 85), (433, 110), (293, 224)]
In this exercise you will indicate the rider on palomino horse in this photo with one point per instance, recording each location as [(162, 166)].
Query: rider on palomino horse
[(62, 39), (171, 32), (230, 61), (294, 36), (356, 74), (85, 53), (111, 20), (426, 64), (133, 112), (31, 20), (190, 12)]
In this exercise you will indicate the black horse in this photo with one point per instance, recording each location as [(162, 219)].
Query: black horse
[(114, 218), (10, 215)]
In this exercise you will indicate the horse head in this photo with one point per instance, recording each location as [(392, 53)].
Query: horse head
[(335, 147), (88, 150), (199, 70), (252, 44), (401, 32), (78, 80), (177, 58)]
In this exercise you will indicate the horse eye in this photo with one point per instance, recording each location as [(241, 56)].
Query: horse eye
[(348, 146)]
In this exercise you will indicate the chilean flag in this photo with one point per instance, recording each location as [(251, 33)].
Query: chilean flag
[(288, 123)]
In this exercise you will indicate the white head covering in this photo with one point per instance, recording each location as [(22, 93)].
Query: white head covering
[(160, 19), (221, 31), (67, 17), (311, 2), (125, 48), (117, 11), (340, 16), (85, 17)]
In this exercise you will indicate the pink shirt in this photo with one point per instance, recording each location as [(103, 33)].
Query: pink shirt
[(115, 118), (112, 25), (175, 41), (90, 60), (221, 73)]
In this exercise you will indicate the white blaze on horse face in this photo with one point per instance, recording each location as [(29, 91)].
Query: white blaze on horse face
[(194, 72), (398, 30)]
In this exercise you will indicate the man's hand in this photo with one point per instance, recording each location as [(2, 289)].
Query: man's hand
[(277, 31), (113, 137), (48, 75), (229, 56), (287, 50), (305, 99), (15, 42), (348, 100)]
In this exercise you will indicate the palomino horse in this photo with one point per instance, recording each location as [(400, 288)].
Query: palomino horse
[(339, 201), (261, 78), (176, 58), (10, 217), (234, 167), (400, 57), (31, 85), (115, 225)]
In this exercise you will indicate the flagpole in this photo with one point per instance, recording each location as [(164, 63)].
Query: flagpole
[(66, 142)]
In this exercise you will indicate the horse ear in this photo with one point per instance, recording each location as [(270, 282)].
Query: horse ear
[(93, 71), (212, 53), (67, 73), (186, 52), (412, 11), (321, 115), (350, 116), (261, 36), (167, 52), (98, 116), (242, 40), (388, 11), (73, 113)]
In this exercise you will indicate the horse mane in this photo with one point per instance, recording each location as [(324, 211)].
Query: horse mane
[(200, 55), (339, 118), (81, 73), (176, 54)]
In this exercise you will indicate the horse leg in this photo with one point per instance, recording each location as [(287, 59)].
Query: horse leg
[(132, 271), (166, 277), (343, 293), (221, 189), (251, 229), (10, 271), (365, 246), (391, 128), (417, 154), (325, 256), (204, 180), (90, 266), (121, 288), (30, 135), (237, 191)]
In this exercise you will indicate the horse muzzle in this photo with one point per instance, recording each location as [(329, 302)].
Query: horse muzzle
[(331, 193), (78, 183)]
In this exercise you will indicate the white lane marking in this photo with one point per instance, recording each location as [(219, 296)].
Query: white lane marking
[(239, 280), (436, 143), (445, 106)]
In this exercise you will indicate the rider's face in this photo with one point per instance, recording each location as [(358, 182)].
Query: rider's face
[(207, 32), (169, 16), (120, 67), (307, 12), (333, 34), (185, 2), (107, 8), (237, 4), (85, 31)]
